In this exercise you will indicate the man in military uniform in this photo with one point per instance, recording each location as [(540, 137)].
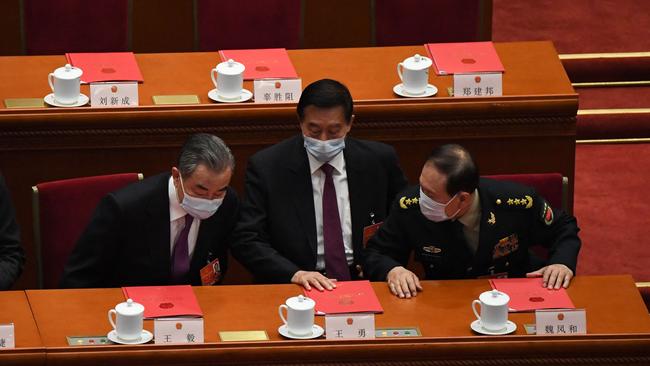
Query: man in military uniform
[(463, 226)]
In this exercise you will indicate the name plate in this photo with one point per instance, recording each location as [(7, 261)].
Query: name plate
[(486, 84), (7, 338), (243, 336), (114, 95), (178, 330), (561, 322), (350, 326), (269, 91), (24, 103)]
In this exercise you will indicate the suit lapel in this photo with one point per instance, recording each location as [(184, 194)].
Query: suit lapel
[(359, 185), (303, 198), (487, 233), (158, 231)]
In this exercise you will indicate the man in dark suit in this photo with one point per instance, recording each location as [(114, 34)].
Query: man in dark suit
[(162, 230), (460, 226), (12, 256), (308, 198)]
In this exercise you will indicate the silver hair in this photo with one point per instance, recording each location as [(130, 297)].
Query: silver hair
[(206, 149)]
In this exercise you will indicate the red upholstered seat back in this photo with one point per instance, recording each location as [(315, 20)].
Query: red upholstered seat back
[(548, 185), (62, 209), (248, 24), (57, 27)]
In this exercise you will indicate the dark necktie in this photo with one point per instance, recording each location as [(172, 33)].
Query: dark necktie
[(180, 255), (336, 266)]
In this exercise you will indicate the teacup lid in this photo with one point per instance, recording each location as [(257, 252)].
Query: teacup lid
[(68, 72), (494, 298), (231, 67), (417, 62), (129, 307), (300, 302)]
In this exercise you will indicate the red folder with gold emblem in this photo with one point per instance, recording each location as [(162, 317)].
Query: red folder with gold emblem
[(106, 66), (262, 63), (527, 294), (165, 301), (347, 297), (465, 57)]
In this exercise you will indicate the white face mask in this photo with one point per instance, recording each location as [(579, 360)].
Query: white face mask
[(324, 151), (433, 210), (199, 208)]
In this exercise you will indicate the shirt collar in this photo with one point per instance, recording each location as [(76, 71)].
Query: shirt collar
[(472, 215), (175, 209), (338, 162)]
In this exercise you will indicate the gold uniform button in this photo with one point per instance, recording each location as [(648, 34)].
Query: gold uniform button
[(498, 201)]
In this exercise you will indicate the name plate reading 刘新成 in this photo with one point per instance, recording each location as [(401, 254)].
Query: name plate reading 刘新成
[(561, 322), (178, 330), (485, 84), (114, 95), (277, 90)]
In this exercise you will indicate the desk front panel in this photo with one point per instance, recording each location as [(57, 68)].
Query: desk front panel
[(14, 308)]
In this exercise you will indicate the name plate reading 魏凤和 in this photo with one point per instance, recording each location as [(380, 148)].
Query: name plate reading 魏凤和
[(485, 84), (277, 90), (7, 337), (114, 95), (561, 322), (178, 330), (350, 326)]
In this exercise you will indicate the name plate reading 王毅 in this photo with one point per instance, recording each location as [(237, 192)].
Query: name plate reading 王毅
[(277, 90), (561, 322), (350, 326), (178, 330), (485, 84), (114, 95), (7, 338)]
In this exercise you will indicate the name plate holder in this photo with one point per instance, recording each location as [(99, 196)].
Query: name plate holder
[(561, 322), (269, 91), (178, 330), (114, 95), (350, 326), (483, 84), (7, 337)]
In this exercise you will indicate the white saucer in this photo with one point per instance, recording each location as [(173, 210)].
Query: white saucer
[(49, 99), (510, 327), (245, 95), (316, 332), (145, 337), (428, 92)]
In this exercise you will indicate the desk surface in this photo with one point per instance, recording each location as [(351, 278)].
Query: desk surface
[(14, 308), (442, 312)]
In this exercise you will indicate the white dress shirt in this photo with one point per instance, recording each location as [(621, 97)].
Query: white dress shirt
[(340, 178), (177, 222)]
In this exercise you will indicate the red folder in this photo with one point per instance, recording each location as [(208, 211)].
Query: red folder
[(165, 301), (107, 66), (527, 294), (262, 63), (347, 297), (466, 57)]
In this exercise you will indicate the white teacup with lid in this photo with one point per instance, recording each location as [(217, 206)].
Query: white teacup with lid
[(129, 320), (414, 73), (228, 78), (494, 310), (300, 315), (65, 84)]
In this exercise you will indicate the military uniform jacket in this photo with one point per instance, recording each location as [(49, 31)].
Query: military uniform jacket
[(513, 218)]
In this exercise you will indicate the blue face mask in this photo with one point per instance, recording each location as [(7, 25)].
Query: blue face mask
[(324, 151), (199, 208)]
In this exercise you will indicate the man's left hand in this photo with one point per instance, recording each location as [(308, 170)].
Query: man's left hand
[(554, 276)]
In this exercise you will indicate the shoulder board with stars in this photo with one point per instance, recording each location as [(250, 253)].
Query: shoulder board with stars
[(521, 202), (406, 202)]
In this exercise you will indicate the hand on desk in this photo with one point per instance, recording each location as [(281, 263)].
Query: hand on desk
[(403, 283), (316, 279), (554, 276)]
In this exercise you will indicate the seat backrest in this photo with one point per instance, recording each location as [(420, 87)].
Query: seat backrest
[(551, 186), (62, 210)]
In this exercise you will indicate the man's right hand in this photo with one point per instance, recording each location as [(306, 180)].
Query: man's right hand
[(316, 279), (403, 283)]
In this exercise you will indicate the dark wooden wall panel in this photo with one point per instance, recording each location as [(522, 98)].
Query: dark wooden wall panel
[(162, 26), (337, 23), (10, 30)]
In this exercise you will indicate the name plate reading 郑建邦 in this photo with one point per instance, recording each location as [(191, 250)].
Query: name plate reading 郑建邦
[(178, 330), (268, 91), (350, 326), (114, 95), (561, 322), (485, 84), (7, 337)]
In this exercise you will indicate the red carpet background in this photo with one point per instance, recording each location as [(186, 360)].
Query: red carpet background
[(612, 208)]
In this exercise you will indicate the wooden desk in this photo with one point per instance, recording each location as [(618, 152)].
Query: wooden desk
[(530, 129), (618, 324), (29, 350)]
